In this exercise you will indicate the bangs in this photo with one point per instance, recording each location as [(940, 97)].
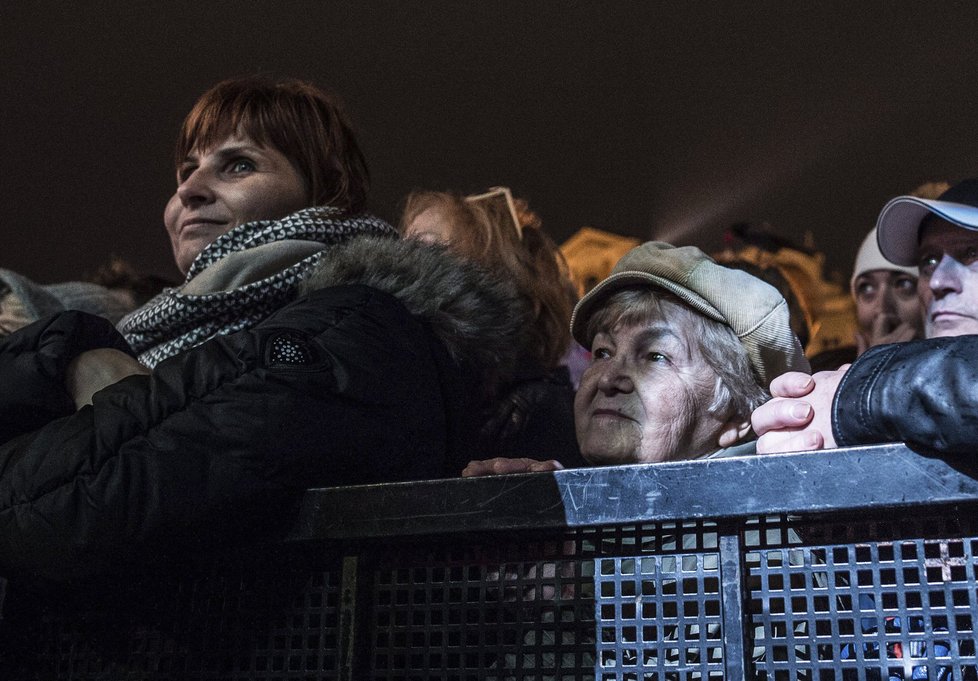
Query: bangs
[(628, 307), (294, 118), (220, 114)]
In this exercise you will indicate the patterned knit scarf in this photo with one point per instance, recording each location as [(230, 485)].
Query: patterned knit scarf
[(175, 320)]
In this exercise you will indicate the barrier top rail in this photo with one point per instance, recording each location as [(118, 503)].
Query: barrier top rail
[(857, 478)]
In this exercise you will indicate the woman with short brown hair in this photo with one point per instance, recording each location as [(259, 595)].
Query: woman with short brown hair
[(269, 173)]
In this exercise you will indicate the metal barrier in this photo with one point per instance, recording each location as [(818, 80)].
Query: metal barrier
[(850, 564)]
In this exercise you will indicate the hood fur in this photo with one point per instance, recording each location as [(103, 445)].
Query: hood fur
[(477, 317)]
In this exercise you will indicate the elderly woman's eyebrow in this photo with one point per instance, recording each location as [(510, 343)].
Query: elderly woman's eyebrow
[(662, 332), (657, 330)]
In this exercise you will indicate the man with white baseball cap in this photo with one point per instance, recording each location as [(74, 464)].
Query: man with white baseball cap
[(889, 393), (941, 238)]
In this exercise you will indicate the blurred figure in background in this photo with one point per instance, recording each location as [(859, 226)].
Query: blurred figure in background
[(920, 392), (888, 309), (119, 274), (822, 313), (114, 291), (535, 417)]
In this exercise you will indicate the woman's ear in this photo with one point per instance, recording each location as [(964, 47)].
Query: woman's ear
[(733, 432)]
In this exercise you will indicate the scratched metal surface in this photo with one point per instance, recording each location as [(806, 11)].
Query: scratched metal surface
[(888, 476)]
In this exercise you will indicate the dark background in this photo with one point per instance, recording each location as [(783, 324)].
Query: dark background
[(649, 119)]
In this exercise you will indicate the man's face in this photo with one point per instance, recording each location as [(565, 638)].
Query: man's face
[(948, 284), (644, 398)]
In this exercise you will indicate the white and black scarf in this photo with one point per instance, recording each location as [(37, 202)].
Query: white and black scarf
[(240, 279)]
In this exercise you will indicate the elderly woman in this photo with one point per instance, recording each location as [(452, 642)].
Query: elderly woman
[(683, 350)]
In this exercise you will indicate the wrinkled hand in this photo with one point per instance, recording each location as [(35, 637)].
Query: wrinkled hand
[(93, 370), (886, 329), (503, 466), (799, 416)]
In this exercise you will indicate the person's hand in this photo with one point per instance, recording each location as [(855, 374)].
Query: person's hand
[(93, 370), (503, 466), (799, 416), (886, 329)]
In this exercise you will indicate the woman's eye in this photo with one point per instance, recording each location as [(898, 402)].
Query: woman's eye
[(241, 165), (865, 289), (908, 284), (185, 172), (970, 255), (600, 353), (654, 356)]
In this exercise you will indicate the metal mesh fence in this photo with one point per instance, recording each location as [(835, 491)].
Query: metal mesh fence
[(881, 594)]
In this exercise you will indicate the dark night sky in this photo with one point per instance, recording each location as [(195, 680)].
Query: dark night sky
[(654, 120)]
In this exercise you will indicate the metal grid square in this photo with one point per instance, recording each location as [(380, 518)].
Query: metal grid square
[(659, 616), (491, 611), (898, 607)]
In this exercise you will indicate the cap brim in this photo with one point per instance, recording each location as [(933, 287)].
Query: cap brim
[(898, 226), (593, 298)]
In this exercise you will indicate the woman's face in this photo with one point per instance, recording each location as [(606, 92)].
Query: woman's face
[(890, 294), (233, 182), (645, 397)]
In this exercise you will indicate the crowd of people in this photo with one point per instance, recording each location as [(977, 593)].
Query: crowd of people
[(314, 344)]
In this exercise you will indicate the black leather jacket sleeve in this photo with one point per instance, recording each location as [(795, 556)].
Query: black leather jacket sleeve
[(923, 393)]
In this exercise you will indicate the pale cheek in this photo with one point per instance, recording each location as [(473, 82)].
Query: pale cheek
[(664, 438), (969, 289), (171, 215), (910, 309), (865, 313)]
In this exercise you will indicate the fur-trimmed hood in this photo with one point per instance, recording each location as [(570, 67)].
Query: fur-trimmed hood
[(478, 317)]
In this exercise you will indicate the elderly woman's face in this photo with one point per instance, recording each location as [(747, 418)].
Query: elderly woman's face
[(230, 184), (645, 396)]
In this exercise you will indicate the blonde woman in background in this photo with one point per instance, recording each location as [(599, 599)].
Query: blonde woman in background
[(535, 418)]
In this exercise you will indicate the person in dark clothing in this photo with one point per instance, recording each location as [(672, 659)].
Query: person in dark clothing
[(375, 375)]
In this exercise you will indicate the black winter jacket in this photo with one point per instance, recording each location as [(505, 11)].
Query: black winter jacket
[(534, 419), (924, 393), (343, 386)]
